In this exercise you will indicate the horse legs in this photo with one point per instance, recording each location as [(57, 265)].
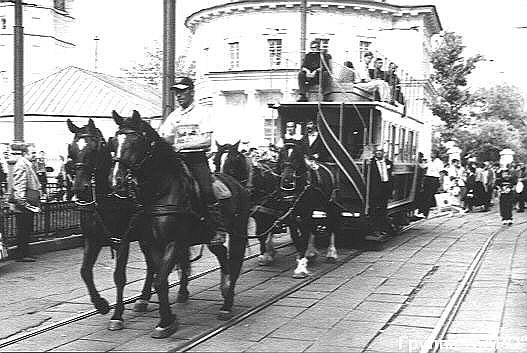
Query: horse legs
[(184, 265), (220, 251), (331, 255), (92, 248), (168, 323), (141, 304), (119, 278), (237, 246), (300, 241), (267, 249), (311, 252)]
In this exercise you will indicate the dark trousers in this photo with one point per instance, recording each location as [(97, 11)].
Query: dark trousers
[(379, 206), (199, 167), (506, 203), (24, 226), (304, 82), (430, 187)]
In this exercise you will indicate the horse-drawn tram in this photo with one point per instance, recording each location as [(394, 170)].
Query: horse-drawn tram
[(352, 126)]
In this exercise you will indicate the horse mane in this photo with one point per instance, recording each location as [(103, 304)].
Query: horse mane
[(165, 157)]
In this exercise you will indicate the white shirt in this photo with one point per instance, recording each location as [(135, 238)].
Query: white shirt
[(185, 124), (312, 137), (434, 167), (383, 169)]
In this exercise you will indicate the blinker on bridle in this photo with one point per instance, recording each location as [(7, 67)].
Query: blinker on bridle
[(133, 168)]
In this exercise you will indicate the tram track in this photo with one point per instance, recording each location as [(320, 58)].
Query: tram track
[(214, 331), (256, 309), (79, 317), (439, 332)]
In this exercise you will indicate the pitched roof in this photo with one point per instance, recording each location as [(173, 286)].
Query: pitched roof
[(76, 92)]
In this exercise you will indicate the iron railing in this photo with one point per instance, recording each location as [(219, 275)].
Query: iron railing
[(57, 219)]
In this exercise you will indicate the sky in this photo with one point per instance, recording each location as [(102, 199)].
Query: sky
[(488, 28)]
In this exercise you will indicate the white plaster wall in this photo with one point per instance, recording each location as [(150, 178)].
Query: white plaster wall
[(344, 27)]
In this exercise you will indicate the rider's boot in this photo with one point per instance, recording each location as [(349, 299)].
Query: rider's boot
[(216, 224)]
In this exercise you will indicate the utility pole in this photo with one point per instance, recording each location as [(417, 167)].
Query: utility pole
[(169, 55), (96, 40), (18, 116), (303, 25)]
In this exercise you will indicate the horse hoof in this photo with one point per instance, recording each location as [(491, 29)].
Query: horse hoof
[(225, 315), (115, 325), (141, 306), (165, 332), (182, 297), (265, 260), (331, 260), (102, 306)]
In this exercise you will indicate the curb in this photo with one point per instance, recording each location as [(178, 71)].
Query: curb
[(50, 245)]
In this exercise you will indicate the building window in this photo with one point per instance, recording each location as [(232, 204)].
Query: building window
[(275, 52), (271, 130), (364, 46), (324, 43), (234, 55), (59, 5), (3, 23)]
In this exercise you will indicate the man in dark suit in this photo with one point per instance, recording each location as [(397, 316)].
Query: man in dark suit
[(313, 144), (381, 187), (377, 73)]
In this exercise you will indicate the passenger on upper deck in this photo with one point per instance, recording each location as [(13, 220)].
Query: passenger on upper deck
[(347, 73), (365, 82), (395, 83), (312, 69), (377, 72)]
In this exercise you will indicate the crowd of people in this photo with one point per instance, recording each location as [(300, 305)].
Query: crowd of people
[(471, 186)]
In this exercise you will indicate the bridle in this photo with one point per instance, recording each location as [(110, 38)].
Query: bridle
[(92, 173), (288, 164), (133, 169)]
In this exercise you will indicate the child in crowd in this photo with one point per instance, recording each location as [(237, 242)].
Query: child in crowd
[(505, 184), (454, 192)]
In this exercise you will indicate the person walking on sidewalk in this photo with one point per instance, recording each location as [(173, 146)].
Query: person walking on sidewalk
[(24, 200), (505, 183)]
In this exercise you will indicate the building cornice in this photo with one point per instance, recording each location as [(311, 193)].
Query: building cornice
[(245, 6)]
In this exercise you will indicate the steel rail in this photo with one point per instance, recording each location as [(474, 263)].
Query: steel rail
[(87, 314), (433, 342), (239, 318)]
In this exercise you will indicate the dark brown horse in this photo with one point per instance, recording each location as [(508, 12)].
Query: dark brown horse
[(173, 209), (104, 219)]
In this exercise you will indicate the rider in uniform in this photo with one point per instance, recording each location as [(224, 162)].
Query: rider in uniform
[(189, 129)]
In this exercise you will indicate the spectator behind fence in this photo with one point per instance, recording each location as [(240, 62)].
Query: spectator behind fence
[(24, 200)]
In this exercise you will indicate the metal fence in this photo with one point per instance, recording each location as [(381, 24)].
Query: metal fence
[(57, 219)]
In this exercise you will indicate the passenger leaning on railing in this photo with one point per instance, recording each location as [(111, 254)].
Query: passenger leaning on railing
[(24, 199), (365, 82)]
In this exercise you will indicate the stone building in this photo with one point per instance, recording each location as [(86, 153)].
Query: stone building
[(48, 41), (247, 54)]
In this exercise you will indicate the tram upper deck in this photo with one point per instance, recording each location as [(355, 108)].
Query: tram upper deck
[(353, 127)]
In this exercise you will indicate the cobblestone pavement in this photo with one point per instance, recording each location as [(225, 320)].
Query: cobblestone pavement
[(385, 299)]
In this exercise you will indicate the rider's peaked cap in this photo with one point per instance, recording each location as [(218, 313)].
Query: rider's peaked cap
[(181, 83)]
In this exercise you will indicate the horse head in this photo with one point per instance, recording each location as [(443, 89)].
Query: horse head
[(89, 154), (230, 161), (132, 146), (291, 165)]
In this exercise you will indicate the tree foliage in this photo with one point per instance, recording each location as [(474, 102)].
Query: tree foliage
[(150, 71), (501, 102), (451, 71)]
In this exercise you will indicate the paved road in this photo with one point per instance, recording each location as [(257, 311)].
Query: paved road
[(386, 299)]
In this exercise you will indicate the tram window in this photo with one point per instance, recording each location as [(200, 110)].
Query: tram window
[(393, 139), (275, 52), (402, 145)]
